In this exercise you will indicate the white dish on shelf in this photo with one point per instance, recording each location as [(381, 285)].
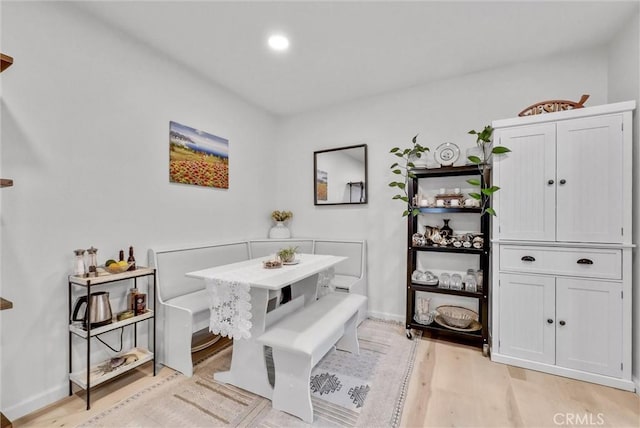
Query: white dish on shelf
[(447, 153)]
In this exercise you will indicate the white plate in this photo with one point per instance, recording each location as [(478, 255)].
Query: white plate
[(295, 262), (446, 154)]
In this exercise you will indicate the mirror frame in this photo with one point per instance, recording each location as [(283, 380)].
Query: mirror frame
[(315, 176)]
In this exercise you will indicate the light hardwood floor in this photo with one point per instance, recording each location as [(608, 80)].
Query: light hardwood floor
[(451, 385)]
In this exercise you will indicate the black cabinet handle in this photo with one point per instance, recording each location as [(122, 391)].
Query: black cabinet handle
[(585, 262), (528, 259), (550, 182), (550, 321), (563, 181), (562, 323)]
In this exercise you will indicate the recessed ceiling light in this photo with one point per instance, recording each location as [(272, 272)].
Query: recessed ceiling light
[(278, 42)]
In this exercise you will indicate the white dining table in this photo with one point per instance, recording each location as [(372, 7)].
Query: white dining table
[(248, 367)]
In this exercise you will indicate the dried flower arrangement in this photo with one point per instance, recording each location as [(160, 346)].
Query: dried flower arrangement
[(281, 215)]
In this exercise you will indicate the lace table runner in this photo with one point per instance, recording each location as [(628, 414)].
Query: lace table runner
[(230, 298)]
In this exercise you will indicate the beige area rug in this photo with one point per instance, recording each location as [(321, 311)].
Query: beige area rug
[(365, 390)]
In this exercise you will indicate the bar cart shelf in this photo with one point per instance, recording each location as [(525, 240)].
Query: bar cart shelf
[(92, 375)]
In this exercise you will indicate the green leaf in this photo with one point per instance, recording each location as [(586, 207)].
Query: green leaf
[(418, 154), (473, 181), (397, 171), (411, 175), (498, 150), (393, 184), (474, 159), (410, 165), (395, 149), (399, 154), (404, 198), (406, 151), (395, 164), (491, 211), (396, 197), (472, 132), (405, 213), (414, 139), (415, 212), (475, 195), (487, 192), (401, 185)]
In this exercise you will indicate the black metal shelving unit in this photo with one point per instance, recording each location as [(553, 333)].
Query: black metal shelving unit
[(481, 337), (83, 378)]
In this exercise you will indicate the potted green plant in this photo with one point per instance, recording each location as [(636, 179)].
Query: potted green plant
[(403, 170), (486, 151), (288, 254)]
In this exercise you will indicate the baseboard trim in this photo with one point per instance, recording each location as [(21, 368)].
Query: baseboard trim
[(36, 402), (385, 316), (627, 385)]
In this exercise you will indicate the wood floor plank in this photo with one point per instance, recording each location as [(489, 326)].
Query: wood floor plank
[(451, 385)]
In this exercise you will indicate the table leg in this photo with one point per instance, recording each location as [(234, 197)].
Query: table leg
[(248, 367), (307, 287)]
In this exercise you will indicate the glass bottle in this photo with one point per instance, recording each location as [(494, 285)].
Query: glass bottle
[(93, 261), (131, 259), (121, 256), (78, 265), (456, 282), (470, 282), (480, 280), (444, 280)]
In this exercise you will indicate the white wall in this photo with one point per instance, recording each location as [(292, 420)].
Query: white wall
[(85, 134), (624, 85), (438, 112)]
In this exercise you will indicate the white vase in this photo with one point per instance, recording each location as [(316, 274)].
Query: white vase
[(279, 231)]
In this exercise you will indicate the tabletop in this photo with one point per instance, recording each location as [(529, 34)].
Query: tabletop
[(253, 273)]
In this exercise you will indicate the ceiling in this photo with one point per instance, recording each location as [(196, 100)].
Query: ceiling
[(341, 51)]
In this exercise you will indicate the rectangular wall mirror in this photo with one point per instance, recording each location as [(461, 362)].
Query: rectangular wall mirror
[(340, 175)]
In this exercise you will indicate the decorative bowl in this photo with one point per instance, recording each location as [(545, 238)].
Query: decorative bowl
[(272, 264), (457, 316), (116, 268)]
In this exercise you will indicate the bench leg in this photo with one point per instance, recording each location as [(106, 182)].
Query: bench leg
[(349, 340), (292, 393), (177, 340)]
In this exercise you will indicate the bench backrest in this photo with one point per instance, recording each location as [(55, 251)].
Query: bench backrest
[(266, 247), (171, 265), (355, 251)]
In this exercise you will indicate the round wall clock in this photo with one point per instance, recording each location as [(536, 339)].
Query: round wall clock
[(446, 154)]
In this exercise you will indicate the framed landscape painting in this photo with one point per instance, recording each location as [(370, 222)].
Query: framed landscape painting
[(197, 157), (321, 185)]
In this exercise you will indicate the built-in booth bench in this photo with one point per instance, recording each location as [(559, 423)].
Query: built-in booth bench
[(183, 303)]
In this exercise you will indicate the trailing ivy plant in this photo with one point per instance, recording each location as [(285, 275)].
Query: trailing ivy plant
[(403, 170), (483, 140)]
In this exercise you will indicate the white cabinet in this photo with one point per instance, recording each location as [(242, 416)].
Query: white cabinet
[(562, 265), (589, 326), (527, 313), (565, 181), (571, 323)]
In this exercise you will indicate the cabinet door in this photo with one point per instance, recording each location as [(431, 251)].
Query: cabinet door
[(589, 179), (527, 317), (589, 326), (526, 201)]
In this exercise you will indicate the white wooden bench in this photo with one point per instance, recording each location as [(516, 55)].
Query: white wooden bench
[(183, 303), (351, 274), (299, 342)]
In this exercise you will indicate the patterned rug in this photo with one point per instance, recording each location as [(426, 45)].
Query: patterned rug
[(365, 390)]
